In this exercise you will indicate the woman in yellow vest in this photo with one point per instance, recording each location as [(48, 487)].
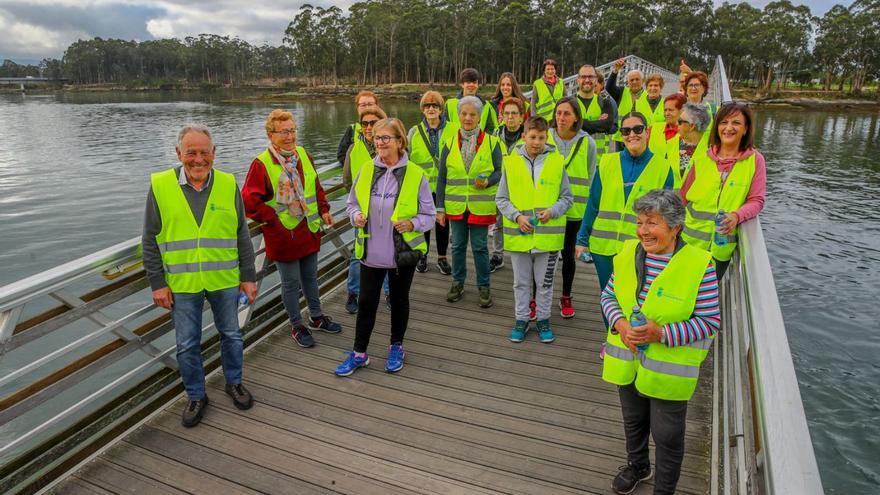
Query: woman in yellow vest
[(509, 134), (283, 173), (547, 90), (362, 100), (665, 140), (731, 177), (425, 140), (507, 88), (656, 364), (391, 208), (579, 152), (696, 87), (470, 168), (533, 196), (362, 150), (654, 87)]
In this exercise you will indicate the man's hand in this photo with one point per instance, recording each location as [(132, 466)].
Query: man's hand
[(524, 225), (618, 64), (328, 219), (163, 298), (249, 288), (544, 216)]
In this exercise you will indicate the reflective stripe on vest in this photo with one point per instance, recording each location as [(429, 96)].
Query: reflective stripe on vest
[(593, 113), (660, 371), (707, 195), (406, 206), (197, 257), (531, 198), (545, 101), (616, 220), (274, 171), (577, 166), (626, 106), (460, 191)]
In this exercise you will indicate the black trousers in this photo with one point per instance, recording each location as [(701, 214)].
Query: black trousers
[(665, 421), (569, 264), (399, 282), (721, 268), (442, 236)]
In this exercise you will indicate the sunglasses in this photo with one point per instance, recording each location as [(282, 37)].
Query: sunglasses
[(368, 123), (431, 105), (637, 130)]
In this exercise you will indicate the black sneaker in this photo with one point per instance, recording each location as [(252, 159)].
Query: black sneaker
[(302, 336), (495, 263), (193, 412), (444, 267), (325, 323), (352, 304), (629, 478), (422, 265), (240, 396)]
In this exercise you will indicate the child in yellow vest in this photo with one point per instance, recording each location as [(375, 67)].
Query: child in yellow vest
[(533, 196)]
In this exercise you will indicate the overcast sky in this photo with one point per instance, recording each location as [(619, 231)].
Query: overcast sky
[(31, 30)]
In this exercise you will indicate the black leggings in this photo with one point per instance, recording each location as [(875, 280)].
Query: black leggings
[(399, 281), (569, 264), (442, 235)]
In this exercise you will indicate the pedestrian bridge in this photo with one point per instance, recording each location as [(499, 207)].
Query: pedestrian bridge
[(90, 399)]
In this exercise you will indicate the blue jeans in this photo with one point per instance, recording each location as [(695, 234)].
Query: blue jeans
[(479, 237), (604, 267), (186, 314), (353, 283), (296, 275)]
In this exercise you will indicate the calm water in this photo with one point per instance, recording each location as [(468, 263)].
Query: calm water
[(74, 172)]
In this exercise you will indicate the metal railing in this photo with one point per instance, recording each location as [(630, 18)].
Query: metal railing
[(83, 356), (761, 442)]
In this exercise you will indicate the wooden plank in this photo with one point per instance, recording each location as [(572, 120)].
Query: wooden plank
[(77, 486), (120, 480)]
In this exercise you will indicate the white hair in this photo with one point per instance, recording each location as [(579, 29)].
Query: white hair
[(187, 128), (470, 100), (635, 71)]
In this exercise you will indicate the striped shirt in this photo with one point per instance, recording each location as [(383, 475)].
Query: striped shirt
[(703, 323)]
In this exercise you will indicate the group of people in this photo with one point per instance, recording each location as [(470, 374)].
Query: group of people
[(650, 189)]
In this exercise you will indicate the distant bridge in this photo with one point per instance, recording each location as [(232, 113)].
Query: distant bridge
[(21, 81)]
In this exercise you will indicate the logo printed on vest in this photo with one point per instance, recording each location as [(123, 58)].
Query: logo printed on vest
[(662, 293), (216, 207)]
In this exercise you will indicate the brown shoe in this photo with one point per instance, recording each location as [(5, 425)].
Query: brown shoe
[(240, 396), (193, 412)]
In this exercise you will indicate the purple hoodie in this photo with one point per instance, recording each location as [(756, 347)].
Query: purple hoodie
[(380, 244)]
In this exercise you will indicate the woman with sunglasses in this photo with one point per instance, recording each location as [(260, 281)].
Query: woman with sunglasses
[(361, 151), (621, 179), (425, 140)]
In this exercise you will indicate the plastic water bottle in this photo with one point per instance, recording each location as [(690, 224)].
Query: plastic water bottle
[(533, 221), (637, 319), (482, 178), (243, 299), (585, 257), (720, 239)]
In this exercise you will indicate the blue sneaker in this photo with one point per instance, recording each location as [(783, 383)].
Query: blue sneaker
[(395, 358), (351, 363), (520, 329), (545, 333), (325, 323)]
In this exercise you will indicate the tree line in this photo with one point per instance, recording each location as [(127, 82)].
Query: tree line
[(431, 41)]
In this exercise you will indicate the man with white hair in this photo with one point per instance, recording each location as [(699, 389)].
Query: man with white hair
[(631, 97), (197, 246)]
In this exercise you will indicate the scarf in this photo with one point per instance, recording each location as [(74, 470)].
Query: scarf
[(371, 146), (551, 82), (468, 145), (290, 189), (725, 165)]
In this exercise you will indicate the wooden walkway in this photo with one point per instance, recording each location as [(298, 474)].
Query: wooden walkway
[(470, 413)]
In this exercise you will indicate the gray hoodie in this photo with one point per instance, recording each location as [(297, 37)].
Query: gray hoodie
[(502, 197)]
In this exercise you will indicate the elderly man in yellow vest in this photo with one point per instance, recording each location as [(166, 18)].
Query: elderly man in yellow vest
[(197, 246)]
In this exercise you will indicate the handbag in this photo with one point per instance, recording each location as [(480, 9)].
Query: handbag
[(404, 256)]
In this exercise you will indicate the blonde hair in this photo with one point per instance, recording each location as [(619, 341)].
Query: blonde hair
[(431, 97), (366, 92), (372, 110), (277, 115), (655, 78), (396, 127)]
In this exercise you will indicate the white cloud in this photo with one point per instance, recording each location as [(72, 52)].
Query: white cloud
[(160, 28)]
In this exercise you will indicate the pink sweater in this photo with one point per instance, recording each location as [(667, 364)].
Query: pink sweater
[(755, 199)]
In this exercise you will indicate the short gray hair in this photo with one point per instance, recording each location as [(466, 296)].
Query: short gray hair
[(188, 128), (637, 71), (665, 202), (698, 115), (470, 100)]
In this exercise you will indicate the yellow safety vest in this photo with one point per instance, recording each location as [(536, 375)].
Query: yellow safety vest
[(668, 148), (493, 114), (531, 198), (359, 155), (274, 171), (626, 106), (545, 100), (660, 371), (577, 166), (406, 206), (460, 191), (197, 257), (505, 151), (592, 113), (452, 113), (656, 116), (707, 195), (616, 220), (420, 152)]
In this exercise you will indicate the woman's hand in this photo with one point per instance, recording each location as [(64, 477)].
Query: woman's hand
[(441, 219), (579, 250), (360, 221), (328, 219), (624, 329), (544, 216), (728, 225), (645, 334), (524, 225), (403, 226)]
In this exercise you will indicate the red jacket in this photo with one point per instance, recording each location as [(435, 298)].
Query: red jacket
[(282, 244)]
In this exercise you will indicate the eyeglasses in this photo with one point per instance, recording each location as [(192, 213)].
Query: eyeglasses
[(637, 130), (431, 105), (682, 121), (587, 77), (695, 86), (384, 139), (286, 132), (362, 104), (368, 123), (511, 114)]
